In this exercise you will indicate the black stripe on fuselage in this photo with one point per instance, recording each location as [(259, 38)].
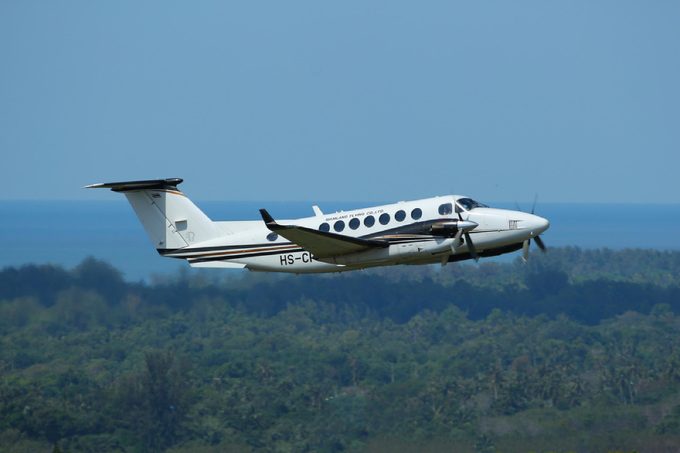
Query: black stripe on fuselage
[(281, 248), (245, 255), (255, 253), (265, 251), (420, 229), (457, 257)]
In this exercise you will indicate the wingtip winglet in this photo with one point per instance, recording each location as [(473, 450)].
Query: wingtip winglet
[(267, 218)]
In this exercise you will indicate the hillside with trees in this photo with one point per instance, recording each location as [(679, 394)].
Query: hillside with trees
[(578, 350)]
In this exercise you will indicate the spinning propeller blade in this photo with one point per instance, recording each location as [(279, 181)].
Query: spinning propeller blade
[(525, 250), (539, 241), (471, 247), (540, 244), (468, 239)]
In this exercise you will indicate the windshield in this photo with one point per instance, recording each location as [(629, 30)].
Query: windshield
[(469, 203)]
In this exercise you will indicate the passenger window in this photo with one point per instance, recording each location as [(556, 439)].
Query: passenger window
[(272, 236), (354, 223), (369, 221), (325, 227), (445, 209), (384, 219), (400, 216), (339, 226), (416, 213)]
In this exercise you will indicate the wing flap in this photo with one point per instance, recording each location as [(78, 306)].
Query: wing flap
[(320, 243)]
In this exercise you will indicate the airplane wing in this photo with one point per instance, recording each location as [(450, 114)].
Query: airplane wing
[(321, 244)]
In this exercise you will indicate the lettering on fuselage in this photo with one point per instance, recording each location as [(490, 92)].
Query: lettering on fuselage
[(345, 216), (295, 258)]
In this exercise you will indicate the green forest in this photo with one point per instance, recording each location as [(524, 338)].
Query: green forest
[(574, 351)]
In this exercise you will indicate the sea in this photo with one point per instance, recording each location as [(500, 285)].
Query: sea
[(66, 232)]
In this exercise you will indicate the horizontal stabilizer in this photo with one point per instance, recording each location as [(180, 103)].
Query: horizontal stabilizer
[(125, 186), (320, 243)]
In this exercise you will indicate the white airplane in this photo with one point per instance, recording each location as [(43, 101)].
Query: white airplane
[(431, 230)]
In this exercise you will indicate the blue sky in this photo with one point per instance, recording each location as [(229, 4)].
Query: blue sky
[(353, 100)]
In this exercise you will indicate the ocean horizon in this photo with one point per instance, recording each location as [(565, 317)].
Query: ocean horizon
[(66, 232)]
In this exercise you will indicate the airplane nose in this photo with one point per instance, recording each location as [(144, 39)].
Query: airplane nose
[(538, 224)]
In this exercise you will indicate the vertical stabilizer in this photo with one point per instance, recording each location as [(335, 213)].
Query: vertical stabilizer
[(170, 219)]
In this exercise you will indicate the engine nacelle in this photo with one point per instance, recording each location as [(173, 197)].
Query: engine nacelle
[(449, 228)]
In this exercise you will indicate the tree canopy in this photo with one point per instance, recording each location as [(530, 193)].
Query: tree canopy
[(576, 351)]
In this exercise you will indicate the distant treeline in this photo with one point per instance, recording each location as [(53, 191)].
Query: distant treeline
[(574, 351), (587, 286)]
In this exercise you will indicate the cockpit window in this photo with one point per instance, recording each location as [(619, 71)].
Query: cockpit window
[(445, 209), (469, 203)]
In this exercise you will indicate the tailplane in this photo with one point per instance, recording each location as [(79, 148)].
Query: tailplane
[(170, 219)]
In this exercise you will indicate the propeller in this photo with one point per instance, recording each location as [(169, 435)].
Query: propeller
[(533, 205), (463, 231), (525, 250), (527, 243), (540, 244)]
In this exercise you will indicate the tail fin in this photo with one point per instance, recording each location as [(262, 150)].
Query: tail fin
[(170, 219)]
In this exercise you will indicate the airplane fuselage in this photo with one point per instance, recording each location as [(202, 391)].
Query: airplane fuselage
[(417, 232), (431, 230)]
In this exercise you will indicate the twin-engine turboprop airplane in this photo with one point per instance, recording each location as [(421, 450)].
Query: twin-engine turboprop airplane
[(431, 230)]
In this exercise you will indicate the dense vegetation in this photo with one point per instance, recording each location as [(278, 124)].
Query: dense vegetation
[(575, 351)]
